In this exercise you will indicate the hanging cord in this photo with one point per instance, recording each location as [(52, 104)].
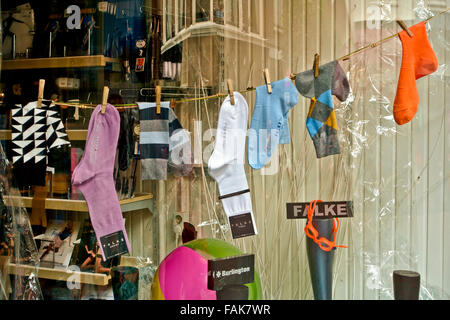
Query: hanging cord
[(375, 44), (220, 95), (311, 232)]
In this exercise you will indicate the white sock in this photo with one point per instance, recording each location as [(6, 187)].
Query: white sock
[(226, 164)]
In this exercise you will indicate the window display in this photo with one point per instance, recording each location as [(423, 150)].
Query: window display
[(151, 149)]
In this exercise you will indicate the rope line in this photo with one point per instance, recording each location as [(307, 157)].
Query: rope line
[(250, 89)]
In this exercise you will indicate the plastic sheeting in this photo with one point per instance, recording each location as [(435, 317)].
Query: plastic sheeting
[(22, 250), (395, 175)]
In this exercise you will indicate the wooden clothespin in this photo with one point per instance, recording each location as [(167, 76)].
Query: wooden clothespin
[(172, 103), (405, 27), (158, 99), (230, 91), (105, 99), (40, 92), (267, 79), (316, 65)]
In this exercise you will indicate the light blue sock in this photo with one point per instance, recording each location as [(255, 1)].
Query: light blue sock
[(270, 121)]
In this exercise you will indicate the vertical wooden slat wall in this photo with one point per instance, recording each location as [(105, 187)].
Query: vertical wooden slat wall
[(398, 178)]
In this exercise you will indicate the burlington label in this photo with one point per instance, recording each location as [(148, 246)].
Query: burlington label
[(323, 210), (231, 270)]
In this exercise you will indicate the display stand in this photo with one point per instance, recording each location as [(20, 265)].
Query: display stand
[(406, 285)]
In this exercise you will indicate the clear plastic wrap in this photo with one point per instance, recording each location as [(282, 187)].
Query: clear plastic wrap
[(146, 272), (396, 176), (22, 253)]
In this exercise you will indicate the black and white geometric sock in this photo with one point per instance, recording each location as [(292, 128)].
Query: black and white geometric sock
[(56, 134), (29, 126), (35, 131)]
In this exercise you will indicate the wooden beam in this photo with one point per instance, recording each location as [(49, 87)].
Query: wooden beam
[(98, 279), (73, 135), (60, 62), (78, 205)]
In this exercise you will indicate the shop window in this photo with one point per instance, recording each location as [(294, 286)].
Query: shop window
[(169, 20), (232, 12), (245, 15), (255, 14), (181, 14), (202, 10), (218, 6), (188, 13)]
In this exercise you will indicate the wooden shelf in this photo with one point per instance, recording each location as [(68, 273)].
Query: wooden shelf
[(60, 62), (74, 135), (139, 202), (98, 279)]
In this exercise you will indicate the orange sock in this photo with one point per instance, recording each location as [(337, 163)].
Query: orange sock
[(418, 61)]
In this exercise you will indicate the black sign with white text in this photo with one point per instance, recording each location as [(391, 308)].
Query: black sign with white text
[(323, 210), (242, 226), (114, 245), (231, 270)]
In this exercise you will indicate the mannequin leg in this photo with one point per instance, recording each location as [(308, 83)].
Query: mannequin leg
[(321, 262)]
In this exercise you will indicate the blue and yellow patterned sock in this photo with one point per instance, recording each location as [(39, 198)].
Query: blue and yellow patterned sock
[(321, 123)]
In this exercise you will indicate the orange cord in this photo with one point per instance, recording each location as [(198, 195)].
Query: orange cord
[(311, 232)]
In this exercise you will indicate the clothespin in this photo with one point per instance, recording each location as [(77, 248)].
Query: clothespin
[(267, 79), (313, 103), (405, 27), (230, 91), (172, 103), (40, 92), (316, 65), (76, 114), (158, 99), (105, 99)]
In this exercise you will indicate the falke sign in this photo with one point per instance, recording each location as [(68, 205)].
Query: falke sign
[(323, 210)]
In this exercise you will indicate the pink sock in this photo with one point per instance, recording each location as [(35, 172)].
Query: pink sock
[(94, 177)]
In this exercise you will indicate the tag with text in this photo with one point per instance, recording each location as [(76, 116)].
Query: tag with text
[(242, 226), (231, 270), (114, 245)]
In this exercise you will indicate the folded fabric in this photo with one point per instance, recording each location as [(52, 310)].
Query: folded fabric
[(321, 123), (164, 145), (270, 121)]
